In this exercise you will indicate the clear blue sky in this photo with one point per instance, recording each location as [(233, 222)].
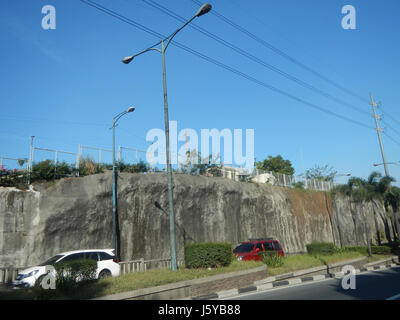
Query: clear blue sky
[(65, 85)]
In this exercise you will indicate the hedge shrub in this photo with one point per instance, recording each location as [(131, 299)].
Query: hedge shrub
[(208, 255), (70, 276), (381, 250), (321, 248), (272, 259), (360, 249)]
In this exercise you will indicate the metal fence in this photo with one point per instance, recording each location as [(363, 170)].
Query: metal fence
[(144, 265), (8, 274), (273, 178), (136, 156)]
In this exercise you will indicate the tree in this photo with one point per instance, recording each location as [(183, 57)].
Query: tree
[(324, 173), (276, 164), (139, 167), (375, 187), (201, 165)]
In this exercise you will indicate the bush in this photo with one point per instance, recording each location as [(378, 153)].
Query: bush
[(272, 259), (13, 178), (299, 185), (381, 249), (321, 248), (208, 255), (82, 270), (87, 166), (360, 249), (395, 247), (139, 167), (70, 277)]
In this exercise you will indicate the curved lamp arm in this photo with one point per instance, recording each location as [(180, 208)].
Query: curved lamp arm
[(203, 10), (118, 116)]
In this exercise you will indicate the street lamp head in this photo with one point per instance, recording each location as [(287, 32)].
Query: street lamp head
[(158, 206), (203, 9), (375, 164), (131, 109), (126, 60)]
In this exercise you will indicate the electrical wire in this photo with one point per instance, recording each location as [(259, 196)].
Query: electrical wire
[(394, 140), (281, 53), (248, 55), (220, 64)]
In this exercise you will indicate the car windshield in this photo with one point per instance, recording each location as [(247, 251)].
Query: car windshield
[(244, 247), (51, 261)]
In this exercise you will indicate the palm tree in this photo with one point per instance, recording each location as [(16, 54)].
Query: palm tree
[(375, 187), (392, 197)]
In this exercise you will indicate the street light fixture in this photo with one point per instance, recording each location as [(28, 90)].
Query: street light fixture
[(203, 10), (115, 233), (379, 164), (343, 175)]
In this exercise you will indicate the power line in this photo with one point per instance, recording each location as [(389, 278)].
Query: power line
[(252, 57), (220, 64), (50, 121), (387, 114), (394, 140), (390, 127), (281, 53)]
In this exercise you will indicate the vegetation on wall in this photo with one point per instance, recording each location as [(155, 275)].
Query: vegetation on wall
[(323, 173), (376, 187), (48, 170)]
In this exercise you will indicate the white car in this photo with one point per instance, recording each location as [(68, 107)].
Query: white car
[(107, 265)]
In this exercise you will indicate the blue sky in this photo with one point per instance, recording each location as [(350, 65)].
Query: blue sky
[(65, 85)]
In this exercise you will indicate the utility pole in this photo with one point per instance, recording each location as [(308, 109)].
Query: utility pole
[(379, 130)]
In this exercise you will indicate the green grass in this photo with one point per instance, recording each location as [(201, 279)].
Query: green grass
[(305, 261), (157, 277)]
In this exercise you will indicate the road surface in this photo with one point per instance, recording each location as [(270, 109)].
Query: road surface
[(377, 285)]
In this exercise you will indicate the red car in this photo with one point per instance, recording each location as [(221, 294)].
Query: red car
[(249, 250)]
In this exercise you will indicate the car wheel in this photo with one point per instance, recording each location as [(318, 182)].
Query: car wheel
[(104, 274)]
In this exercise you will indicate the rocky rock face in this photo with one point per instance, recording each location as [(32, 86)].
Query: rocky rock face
[(75, 213)]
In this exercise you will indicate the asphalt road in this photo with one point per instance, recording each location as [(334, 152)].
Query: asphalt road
[(376, 285)]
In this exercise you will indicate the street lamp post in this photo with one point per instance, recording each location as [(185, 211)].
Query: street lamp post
[(115, 233), (164, 45)]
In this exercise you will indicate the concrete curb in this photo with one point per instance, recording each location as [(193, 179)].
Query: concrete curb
[(274, 282)]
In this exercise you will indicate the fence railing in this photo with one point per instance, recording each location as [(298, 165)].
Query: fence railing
[(8, 274), (233, 173), (273, 178), (144, 265)]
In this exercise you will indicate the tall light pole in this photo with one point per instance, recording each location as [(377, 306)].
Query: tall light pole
[(164, 45), (115, 233)]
